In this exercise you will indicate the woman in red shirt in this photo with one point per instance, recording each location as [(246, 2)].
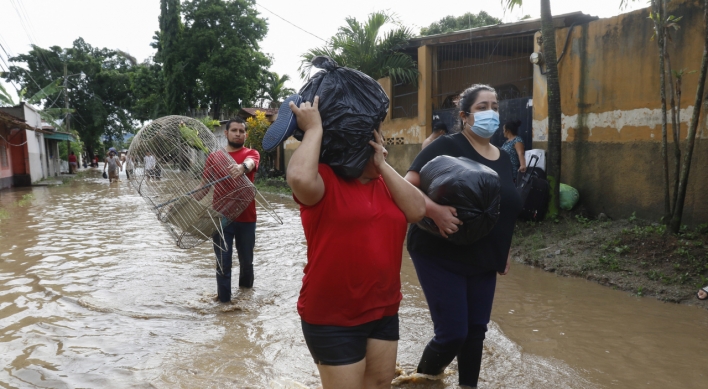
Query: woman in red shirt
[(354, 230)]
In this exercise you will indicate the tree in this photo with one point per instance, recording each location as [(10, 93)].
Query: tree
[(548, 34), (675, 225), (275, 90), (220, 47), (457, 23), (364, 47), (169, 53), (101, 99), (147, 83)]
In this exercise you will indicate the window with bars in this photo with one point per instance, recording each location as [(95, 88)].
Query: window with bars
[(502, 63), (404, 103)]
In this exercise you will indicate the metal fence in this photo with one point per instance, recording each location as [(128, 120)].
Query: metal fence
[(501, 62)]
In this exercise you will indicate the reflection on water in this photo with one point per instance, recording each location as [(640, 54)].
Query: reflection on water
[(94, 293)]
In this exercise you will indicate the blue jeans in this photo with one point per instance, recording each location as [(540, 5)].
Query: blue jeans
[(460, 300), (245, 236)]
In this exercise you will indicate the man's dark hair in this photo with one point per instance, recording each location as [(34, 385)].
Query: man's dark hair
[(236, 120)]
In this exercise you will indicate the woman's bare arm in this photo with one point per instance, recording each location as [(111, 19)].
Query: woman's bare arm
[(406, 196), (444, 216), (303, 177), (519, 147)]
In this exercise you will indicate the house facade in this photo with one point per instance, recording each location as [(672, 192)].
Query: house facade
[(32, 148), (609, 77)]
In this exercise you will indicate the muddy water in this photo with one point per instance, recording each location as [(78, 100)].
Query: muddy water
[(93, 293)]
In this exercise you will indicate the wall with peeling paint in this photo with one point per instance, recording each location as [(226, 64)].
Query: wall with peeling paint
[(611, 122)]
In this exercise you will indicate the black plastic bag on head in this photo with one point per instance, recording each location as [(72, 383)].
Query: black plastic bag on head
[(470, 187), (352, 104)]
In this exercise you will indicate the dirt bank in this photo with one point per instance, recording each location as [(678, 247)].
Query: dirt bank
[(631, 255)]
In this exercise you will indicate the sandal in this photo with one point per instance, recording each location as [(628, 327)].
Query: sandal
[(705, 290), (284, 125)]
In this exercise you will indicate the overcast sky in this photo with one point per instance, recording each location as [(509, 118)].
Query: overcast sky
[(130, 24)]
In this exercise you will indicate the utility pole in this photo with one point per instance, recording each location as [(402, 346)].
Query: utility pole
[(66, 97)]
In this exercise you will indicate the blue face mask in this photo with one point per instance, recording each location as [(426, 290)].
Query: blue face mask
[(486, 123)]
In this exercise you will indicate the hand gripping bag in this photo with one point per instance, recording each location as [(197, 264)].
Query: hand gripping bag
[(352, 105), (470, 187)]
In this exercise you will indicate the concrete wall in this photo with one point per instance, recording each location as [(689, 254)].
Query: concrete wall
[(611, 119), (36, 155), (5, 170)]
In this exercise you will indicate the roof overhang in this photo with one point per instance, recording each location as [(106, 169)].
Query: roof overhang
[(519, 28), (60, 136), (14, 122)]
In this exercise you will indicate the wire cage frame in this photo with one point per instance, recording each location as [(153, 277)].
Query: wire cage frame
[(184, 176)]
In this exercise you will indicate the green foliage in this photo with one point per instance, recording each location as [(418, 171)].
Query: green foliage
[(26, 200), (76, 147), (147, 82), (274, 89), (633, 218), (645, 231), (365, 47), (511, 4), (101, 99), (457, 23), (257, 127), (220, 50), (169, 52), (609, 262), (210, 123), (702, 228), (273, 185), (4, 214), (583, 220)]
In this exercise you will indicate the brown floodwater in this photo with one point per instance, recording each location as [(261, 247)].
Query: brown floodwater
[(94, 293)]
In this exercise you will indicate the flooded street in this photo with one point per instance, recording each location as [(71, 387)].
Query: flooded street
[(94, 293)]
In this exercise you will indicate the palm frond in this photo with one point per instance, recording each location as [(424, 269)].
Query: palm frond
[(401, 68), (48, 90), (511, 4), (5, 98)]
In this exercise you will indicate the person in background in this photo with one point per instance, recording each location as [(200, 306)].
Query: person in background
[(351, 289), (459, 281), (129, 166), (439, 129), (95, 161), (514, 146), (150, 163), (113, 164), (73, 164)]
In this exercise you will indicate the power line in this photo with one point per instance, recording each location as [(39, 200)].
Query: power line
[(24, 22), (291, 23)]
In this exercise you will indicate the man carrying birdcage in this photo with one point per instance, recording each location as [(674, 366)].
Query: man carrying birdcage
[(242, 227)]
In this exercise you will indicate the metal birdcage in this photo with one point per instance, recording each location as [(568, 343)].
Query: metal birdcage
[(184, 176)]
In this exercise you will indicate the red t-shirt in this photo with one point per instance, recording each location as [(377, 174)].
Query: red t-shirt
[(225, 191), (72, 158), (354, 245)]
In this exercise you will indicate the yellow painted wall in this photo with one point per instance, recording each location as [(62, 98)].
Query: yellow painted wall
[(609, 77), (611, 118)]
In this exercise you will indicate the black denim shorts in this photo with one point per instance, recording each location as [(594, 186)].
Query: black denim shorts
[(336, 345)]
